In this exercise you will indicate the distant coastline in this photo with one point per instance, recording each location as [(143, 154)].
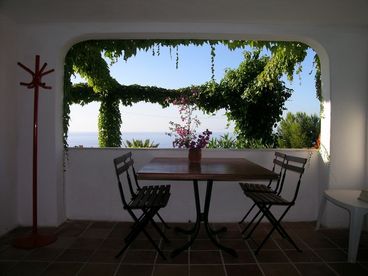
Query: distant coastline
[(90, 139)]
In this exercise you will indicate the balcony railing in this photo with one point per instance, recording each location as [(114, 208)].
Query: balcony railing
[(91, 191)]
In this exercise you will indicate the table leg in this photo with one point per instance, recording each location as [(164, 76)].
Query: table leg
[(322, 207), (211, 232), (195, 230), (202, 217), (356, 223)]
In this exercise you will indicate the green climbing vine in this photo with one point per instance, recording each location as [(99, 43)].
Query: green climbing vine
[(248, 93)]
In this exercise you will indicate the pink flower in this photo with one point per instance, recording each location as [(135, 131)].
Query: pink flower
[(185, 133)]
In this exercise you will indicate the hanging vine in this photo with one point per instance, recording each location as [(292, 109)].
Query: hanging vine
[(87, 59)]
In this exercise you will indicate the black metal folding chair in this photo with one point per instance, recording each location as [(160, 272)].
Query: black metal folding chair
[(147, 199), (278, 160), (138, 187), (265, 201)]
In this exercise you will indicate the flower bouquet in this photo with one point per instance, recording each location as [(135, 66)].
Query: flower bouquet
[(184, 133)]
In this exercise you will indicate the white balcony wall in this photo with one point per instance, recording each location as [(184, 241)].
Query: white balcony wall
[(8, 126), (91, 189)]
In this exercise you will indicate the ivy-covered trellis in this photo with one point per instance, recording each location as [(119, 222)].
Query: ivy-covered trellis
[(253, 95)]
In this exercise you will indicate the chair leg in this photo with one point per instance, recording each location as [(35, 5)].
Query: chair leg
[(154, 244), (163, 222), (159, 230), (276, 226), (139, 226), (250, 224), (281, 232), (247, 214), (133, 234)]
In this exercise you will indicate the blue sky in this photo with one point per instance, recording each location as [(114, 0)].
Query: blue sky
[(194, 68)]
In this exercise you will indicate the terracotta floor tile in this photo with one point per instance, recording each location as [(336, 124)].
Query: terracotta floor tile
[(103, 224), (306, 233), (44, 254), (230, 235), (20, 231), (347, 269), (337, 233), (205, 257), (244, 257), (315, 269), (342, 243), (305, 225), (305, 256), (173, 244), (6, 265), (279, 270), (93, 269), (236, 244), (173, 234), (212, 270), (75, 255), (89, 248), (270, 244), (105, 256), (229, 226), (62, 242), (171, 270), (201, 244), (363, 243), (241, 270), (285, 244), (27, 268), (257, 234), (139, 257), (98, 233), (153, 233), (362, 255), (118, 233), (12, 253), (332, 255), (144, 244), (86, 243), (271, 256), (70, 232), (182, 258), (319, 242), (112, 243), (62, 269), (136, 270)]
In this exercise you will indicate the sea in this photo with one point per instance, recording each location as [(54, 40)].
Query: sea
[(90, 139)]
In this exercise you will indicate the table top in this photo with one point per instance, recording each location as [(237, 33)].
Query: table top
[(221, 169), (349, 198)]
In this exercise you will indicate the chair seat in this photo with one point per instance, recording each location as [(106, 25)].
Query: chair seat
[(151, 197), (255, 188), (268, 198)]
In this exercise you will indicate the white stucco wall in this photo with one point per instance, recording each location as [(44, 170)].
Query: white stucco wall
[(91, 190), (344, 58), (8, 125), (345, 116), (50, 148)]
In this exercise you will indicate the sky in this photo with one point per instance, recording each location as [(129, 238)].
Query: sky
[(194, 68)]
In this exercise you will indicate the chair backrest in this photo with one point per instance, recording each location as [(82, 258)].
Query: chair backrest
[(293, 165), (123, 165), (278, 161)]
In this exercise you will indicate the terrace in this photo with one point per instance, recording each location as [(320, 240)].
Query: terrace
[(85, 190)]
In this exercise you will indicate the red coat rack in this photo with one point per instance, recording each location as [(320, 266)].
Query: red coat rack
[(35, 239)]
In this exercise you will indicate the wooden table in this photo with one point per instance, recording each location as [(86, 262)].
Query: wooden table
[(209, 170)]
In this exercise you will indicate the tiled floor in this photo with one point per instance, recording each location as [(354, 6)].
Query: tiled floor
[(88, 248)]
